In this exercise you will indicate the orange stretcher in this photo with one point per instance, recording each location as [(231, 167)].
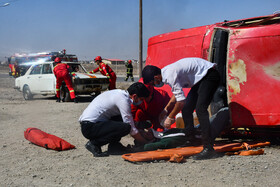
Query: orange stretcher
[(177, 154)]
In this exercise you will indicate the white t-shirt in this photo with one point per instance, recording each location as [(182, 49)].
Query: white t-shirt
[(184, 73), (108, 104)]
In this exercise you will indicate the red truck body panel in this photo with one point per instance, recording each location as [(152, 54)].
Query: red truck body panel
[(249, 65)]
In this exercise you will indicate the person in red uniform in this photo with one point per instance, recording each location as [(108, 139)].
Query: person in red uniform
[(151, 107), (61, 73), (106, 71)]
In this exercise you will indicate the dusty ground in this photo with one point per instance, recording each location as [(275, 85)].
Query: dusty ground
[(24, 164)]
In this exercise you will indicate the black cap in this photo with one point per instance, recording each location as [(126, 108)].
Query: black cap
[(149, 72)]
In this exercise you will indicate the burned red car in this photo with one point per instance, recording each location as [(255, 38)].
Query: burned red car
[(248, 59)]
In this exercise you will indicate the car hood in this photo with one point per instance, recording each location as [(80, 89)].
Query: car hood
[(86, 76)]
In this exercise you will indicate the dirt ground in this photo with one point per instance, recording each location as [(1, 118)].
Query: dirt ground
[(25, 164)]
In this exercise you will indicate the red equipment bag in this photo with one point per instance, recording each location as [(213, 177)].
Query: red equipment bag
[(48, 141)]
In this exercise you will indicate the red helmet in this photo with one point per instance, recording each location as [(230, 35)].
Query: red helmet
[(98, 58), (129, 61), (57, 59)]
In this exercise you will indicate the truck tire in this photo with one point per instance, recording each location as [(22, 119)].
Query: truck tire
[(27, 95)]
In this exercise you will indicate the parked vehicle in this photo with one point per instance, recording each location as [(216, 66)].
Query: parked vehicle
[(20, 63), (39, 79), (247, 55)]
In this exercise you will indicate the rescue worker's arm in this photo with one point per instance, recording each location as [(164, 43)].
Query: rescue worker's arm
[(138, 137), (94, 71), (106, 70), (178, 106)]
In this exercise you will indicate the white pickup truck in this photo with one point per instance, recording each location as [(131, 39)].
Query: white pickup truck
[(39, 79)]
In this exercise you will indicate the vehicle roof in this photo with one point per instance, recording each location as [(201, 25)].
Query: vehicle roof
[(252, 22)]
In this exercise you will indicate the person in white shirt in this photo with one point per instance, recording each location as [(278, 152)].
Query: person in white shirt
[(201, 76), (108, 118)]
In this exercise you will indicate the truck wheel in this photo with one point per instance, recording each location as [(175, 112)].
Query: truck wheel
[(64, 93), (27, 95)]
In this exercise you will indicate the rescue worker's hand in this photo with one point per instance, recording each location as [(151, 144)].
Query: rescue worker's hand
[(168, 122), (162, 115), (108, 76)]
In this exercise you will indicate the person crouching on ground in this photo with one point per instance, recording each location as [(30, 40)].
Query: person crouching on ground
[(106, 71), (201, 76), (61, 72), (108, 118)]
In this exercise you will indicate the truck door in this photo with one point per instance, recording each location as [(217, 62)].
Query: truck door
[(218, 55)]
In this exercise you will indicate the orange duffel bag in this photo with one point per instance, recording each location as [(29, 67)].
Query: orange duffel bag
[(48, 141)]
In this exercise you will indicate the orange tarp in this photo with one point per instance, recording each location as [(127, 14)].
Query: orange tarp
[(166, 154)]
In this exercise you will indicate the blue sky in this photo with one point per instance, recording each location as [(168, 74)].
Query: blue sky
[(109, 27)]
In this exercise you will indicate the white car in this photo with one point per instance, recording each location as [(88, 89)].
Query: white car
[(39, 79)]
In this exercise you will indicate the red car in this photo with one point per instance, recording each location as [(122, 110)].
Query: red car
[(248, 58)]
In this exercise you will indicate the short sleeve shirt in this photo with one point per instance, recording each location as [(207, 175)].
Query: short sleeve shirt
[(184, 73)]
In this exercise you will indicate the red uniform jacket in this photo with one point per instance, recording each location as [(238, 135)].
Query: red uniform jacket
[(108, 72), (150, 111), (104, 69), (61, 69)]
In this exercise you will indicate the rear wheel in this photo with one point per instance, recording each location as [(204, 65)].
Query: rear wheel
[(27, 95)]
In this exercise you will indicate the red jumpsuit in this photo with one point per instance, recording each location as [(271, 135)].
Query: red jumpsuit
[(108, 72), (62, 74), (150, 111)]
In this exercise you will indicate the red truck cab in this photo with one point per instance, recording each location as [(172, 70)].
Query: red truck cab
[(248, 59)]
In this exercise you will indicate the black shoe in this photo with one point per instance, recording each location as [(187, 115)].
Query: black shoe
[(207, 153), (75, 100), (63, 100), (117, 148), (58, 100), (95, 150)]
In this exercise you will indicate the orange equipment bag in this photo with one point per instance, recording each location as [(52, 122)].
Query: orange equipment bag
[(48, 141), (175, 153)]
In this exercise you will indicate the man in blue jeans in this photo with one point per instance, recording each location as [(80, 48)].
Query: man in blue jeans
[(203, 79), (108, 118)]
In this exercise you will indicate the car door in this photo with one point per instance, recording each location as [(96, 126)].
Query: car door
[(47, 80), (33, 79)]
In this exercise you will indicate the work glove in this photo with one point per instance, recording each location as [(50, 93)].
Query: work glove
[(168, 122), (108, 76)]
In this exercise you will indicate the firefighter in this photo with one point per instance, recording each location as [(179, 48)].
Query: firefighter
[(106, 71), (61, 73), (129, 70)]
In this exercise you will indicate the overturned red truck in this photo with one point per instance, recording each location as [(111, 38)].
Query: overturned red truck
[(248, 59)]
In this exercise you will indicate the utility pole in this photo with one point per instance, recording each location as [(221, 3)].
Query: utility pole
[(140, 39)]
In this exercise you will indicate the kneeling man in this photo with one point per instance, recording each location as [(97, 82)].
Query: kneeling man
[(108, 118)]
